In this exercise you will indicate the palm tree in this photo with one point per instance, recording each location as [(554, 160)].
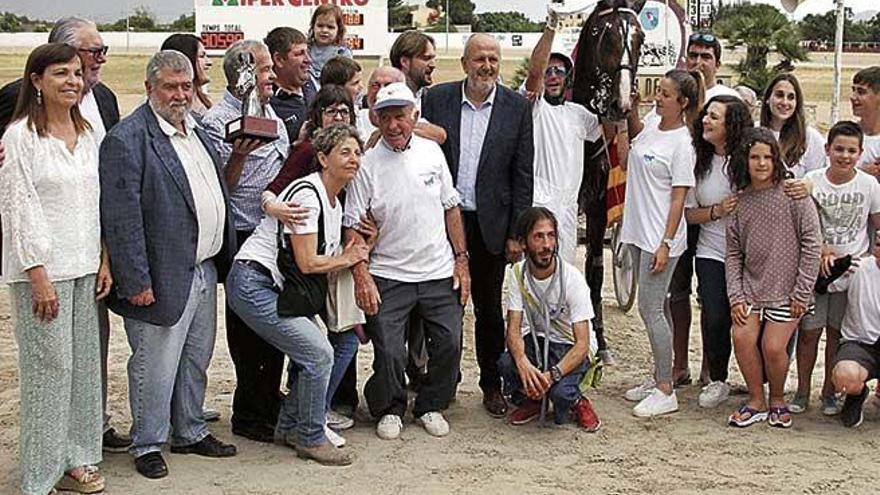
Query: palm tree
[(762, 29)]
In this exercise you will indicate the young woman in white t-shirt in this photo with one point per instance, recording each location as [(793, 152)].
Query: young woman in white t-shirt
[(782, 111), (717, 133), (660, 172)]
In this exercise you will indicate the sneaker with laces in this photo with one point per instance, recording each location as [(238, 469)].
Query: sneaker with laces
[(831, 405), (389, 427), (852, 414), (714, 394), (338, 422), (641, 392), (656, 404), (586, 417), (434, 423), (334, 438), (527, 411)]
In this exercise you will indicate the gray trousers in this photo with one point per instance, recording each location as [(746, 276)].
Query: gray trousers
[(167, 371), (60, 388), (654, 310), (441, 314)]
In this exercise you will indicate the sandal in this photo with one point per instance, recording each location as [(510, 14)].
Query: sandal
[(754, 416), (780, 417), (683, 379), (88, 481)]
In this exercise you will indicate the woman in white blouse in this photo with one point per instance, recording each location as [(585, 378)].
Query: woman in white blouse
[(782, 111), (51, 256)]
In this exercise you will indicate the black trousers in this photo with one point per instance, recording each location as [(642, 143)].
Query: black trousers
[(594, 266), (258, 369), (487, 278)]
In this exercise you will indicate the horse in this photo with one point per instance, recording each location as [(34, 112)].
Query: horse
[(606, 62)]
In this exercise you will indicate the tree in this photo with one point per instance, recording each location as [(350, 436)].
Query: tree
[(505, 22), (399, 15), (822, 27), (762, 29), (460, 11), (184, 24)]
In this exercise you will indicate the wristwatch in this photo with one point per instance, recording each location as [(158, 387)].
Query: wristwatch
[(668, 242), (466, 255), (555, 374)]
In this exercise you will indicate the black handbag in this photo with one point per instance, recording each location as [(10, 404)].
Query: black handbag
[(303, 294)]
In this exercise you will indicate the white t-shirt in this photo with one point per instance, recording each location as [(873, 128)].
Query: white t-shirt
[(88, 107), (408, 193), (870, 150), (814, 157), (364, 126), (712, 189), (844, 210), (861, 322), (574, 309), (658, 161), (262, 245)]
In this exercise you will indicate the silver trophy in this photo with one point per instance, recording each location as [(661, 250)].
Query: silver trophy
[(253, 123)]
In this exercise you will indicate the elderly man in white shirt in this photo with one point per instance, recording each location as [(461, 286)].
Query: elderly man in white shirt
[(420, 261)]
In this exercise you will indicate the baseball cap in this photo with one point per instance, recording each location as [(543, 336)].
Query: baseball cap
[(394, 95)]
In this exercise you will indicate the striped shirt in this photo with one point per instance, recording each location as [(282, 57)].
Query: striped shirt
[(260, 167)]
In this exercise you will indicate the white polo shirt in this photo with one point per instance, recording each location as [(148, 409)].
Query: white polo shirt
[(408, 193)]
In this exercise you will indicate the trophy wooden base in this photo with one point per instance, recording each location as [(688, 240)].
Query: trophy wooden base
[(265, 130)]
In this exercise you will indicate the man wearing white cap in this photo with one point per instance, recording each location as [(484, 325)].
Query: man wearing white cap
[(419, 262)]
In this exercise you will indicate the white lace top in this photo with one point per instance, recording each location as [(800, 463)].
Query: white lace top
[(49, 205)]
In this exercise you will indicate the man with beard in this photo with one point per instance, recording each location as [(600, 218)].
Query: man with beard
[(546, 359), (414, 54), (165, 221), (489, 151)]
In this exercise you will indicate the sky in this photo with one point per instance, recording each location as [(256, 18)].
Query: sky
[(166, 10)]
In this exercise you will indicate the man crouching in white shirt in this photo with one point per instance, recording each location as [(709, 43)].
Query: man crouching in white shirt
[(419, 262), (858, 357), (548, 352)]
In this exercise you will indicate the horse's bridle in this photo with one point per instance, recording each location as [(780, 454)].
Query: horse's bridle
[(601, 81), (624, 32)]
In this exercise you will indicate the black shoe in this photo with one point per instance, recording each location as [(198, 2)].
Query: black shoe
[(257, 433), (115, 442), (852, 414), (151, 465), (495, 404), (208, 447)]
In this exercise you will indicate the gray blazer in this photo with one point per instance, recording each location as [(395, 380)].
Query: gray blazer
[(504, 174), (148, 218)]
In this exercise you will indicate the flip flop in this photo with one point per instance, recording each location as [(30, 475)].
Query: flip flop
[(755, 416), (776, 414)]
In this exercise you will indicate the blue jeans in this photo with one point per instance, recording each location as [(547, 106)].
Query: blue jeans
[(254, 298), (167, 371), (563, 394), (345, 348)]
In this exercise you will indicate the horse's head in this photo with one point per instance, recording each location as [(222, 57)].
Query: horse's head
[(607, 59)]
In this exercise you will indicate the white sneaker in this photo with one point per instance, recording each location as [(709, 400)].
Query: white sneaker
[(389, 427), (435, 424), (713, 394), (334, 438), (640, 393), (339, 422), (656, 404)]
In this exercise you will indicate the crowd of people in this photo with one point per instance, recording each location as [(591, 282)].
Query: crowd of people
[(376, 215)]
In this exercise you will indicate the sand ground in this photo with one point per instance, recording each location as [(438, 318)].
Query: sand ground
[(688, 452)]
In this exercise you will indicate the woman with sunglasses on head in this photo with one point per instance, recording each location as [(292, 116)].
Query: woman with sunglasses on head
[(717, 133), (56, 271)]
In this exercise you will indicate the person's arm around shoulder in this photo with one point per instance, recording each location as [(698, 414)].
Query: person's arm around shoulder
[(427, 130), (121, 171)]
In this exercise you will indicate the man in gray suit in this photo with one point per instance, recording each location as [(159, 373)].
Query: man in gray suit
[(489, 151), (165, 220)]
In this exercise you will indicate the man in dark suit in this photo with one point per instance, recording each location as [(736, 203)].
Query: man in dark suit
[(100, 109), (166, 220), (489, 151)]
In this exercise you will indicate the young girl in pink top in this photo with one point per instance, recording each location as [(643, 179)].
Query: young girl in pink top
[(772, 262)]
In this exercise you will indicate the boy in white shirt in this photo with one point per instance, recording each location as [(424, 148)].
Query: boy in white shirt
[(865, 101)]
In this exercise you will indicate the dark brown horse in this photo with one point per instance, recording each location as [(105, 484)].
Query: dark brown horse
[(606, 61)]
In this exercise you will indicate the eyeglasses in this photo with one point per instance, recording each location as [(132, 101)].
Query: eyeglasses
[(706, 38), (336, 112), (555, 70), (101, 50)]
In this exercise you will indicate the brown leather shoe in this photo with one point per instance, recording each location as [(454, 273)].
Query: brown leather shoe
[(495, 404), (325, 454)]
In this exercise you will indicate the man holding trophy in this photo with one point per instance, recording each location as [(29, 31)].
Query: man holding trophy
[(252, 142)]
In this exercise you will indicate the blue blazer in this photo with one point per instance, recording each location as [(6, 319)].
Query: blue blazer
[(148, 218), (504, 175)]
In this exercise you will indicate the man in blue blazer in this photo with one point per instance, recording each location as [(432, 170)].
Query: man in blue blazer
[(489, 150), (166, 221)]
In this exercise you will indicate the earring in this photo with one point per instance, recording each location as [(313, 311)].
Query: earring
[(39, 97)]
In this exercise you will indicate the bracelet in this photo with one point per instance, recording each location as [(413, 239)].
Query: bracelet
[(712, 216), (459, 254)]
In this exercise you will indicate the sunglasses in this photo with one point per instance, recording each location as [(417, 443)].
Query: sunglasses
[(555, 70), (336, 112), (101, 50), (707, 38)]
